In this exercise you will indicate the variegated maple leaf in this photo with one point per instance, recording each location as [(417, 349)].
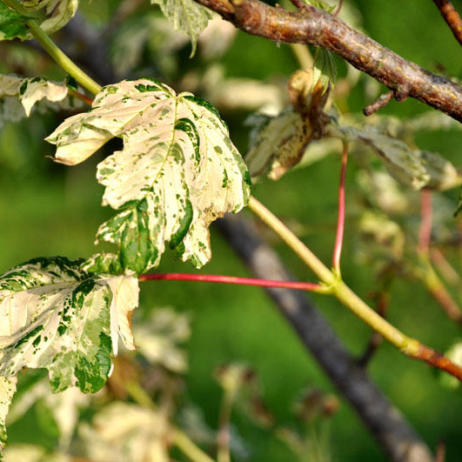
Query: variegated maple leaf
[(7, 390), (413, 167), (56, 316), (19, 95), (177, 172)]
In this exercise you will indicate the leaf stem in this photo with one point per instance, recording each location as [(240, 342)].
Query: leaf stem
[(341, 213), (409, 346), (56, 53), (305, 254), (178, 437), (218, 278), (425, 229), (224, 437)]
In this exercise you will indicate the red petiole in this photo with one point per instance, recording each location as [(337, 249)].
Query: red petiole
[(341, 213), (218, 278)]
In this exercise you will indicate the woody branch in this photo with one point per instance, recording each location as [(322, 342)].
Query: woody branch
[(316, 27)]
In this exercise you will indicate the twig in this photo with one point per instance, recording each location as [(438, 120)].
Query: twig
[(298, 3), (407, 345), (451, 16), (444, 267), (218, 278), (341, 213), (380, 103), (438, 290), (425, 229), (58, 55), (384, 421), (441, 452), (376, 339), (224, 436), (317, 27), (339, 8), (303, 55), (81, 97)]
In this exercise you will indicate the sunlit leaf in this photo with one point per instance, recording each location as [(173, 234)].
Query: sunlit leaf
[(53, 315), (187, 16), (7, 390), (178, 170)]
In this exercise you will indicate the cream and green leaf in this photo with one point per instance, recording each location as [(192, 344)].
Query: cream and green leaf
[(280, 142), (7, 390), (411, 166), (54, 315), (18, 96), (177, 172), (187, 16), (52, 15)]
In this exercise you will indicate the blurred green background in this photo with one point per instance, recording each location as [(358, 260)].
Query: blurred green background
[(48, 209)]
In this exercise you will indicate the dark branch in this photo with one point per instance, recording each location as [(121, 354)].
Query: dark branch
[(451, 16), (384, 421), (316, 27)]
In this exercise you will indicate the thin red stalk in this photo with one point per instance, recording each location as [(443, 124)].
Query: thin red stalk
[(298, 3), (441, 452), (341, 212), (218, 278), (81, 96), (426, 221)]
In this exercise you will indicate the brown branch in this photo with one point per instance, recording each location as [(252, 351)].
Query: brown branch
[(436, 359), (441, 452), (298, 3), (451, 16), (339, 8), (316, 27), (380, 103), (384, 421)]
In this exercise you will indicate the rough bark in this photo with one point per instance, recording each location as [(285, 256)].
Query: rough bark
[(316, 27)]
